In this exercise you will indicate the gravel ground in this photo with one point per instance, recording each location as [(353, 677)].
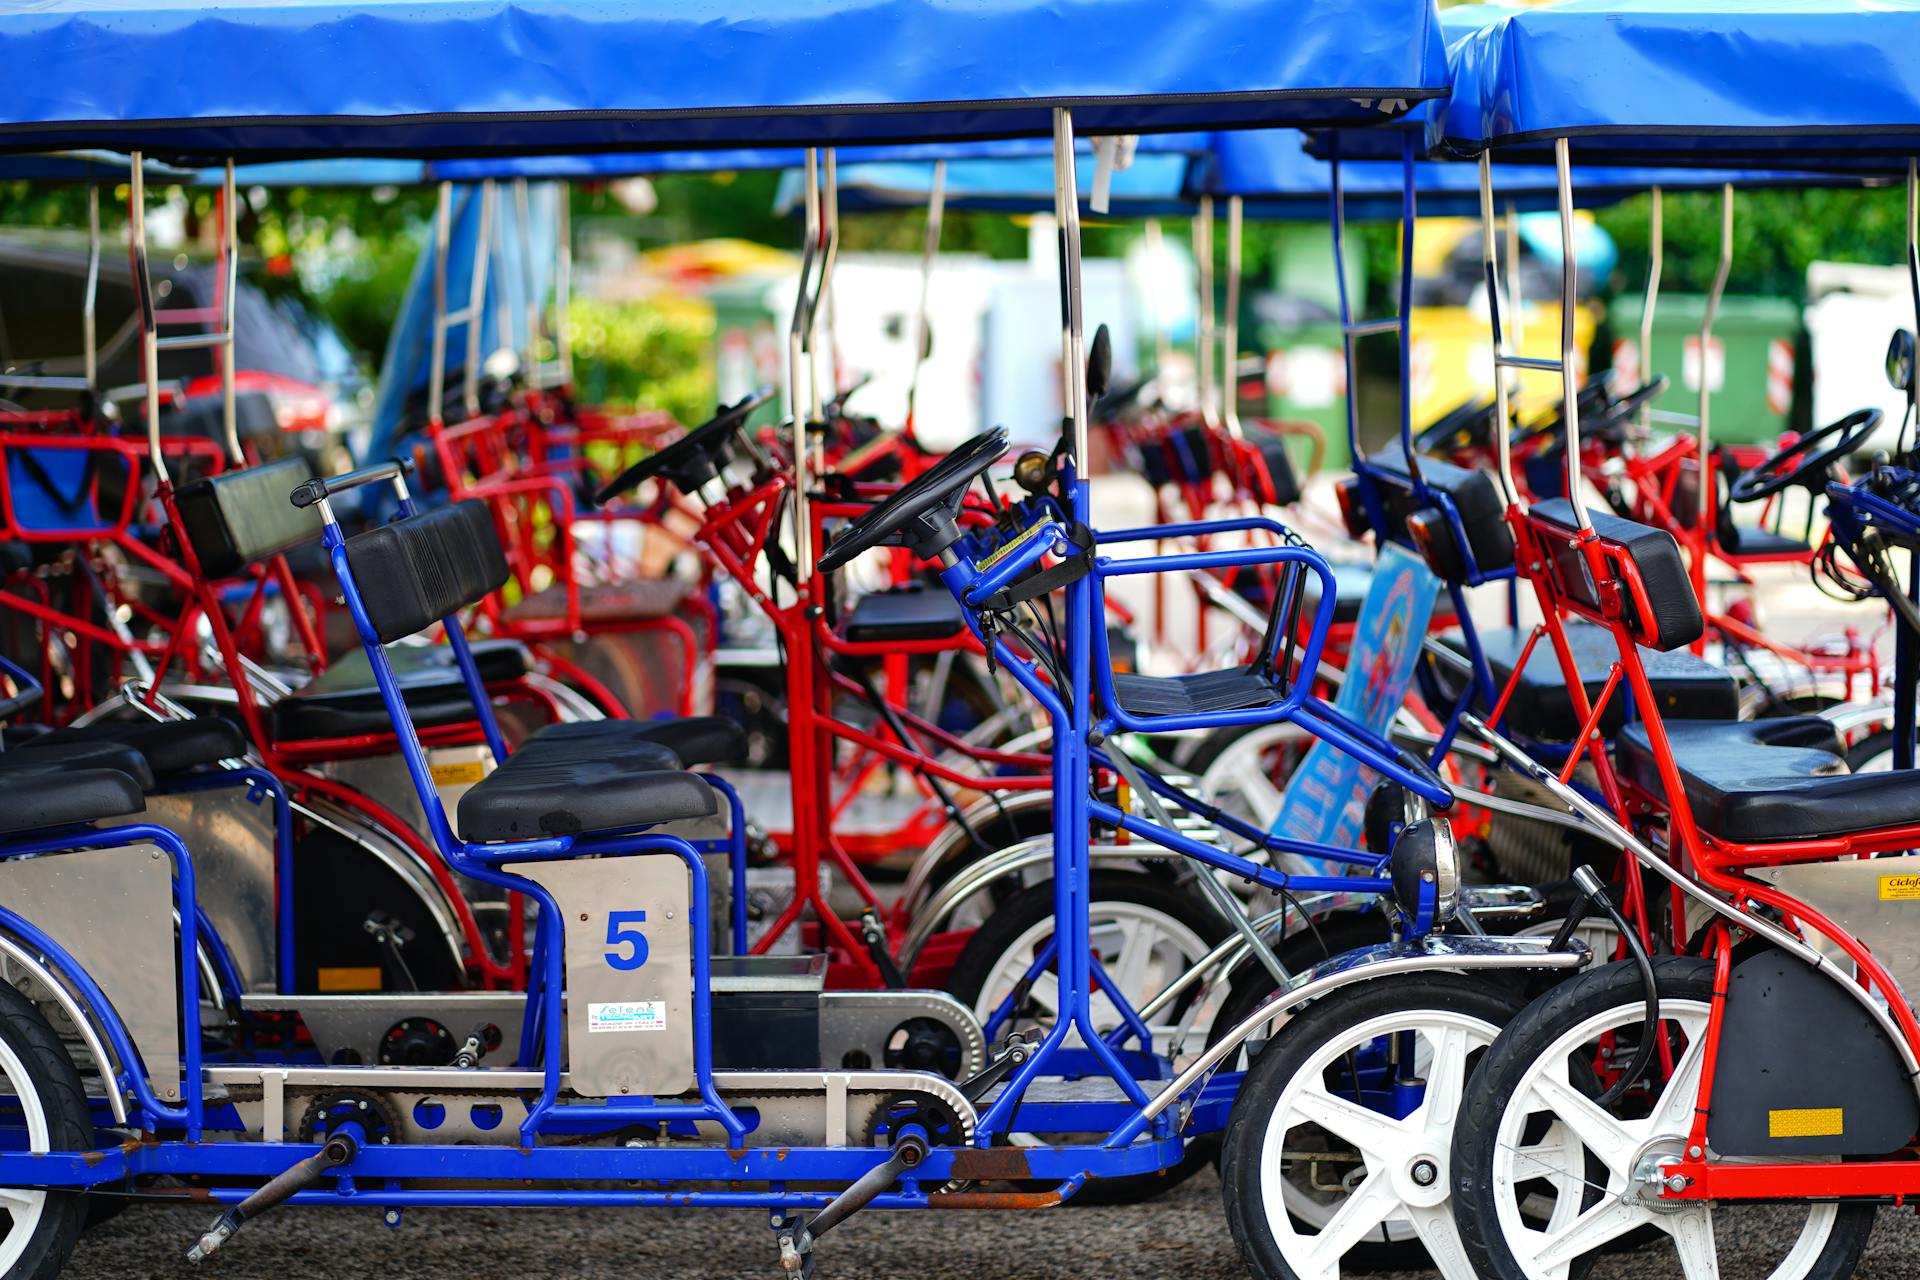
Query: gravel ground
[(1181, 1235)]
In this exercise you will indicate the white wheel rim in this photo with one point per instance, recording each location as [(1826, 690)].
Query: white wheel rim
[(23, 1208), (1546, 1249), (1386, 1204), (1142, 949), (1238, 776)]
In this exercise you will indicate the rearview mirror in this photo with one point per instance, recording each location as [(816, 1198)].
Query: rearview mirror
[(1900, 359), (1099, 364)]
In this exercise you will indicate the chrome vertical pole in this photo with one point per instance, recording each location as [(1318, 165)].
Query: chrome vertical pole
[(149, 323), (1706, 505), (1203, 344), (563, 286), (1490, 263), (437, 369), (798, 343), (230, 277), (1569, 290), (1162, 340), (477, 297), (1656, 260), (1230, 323), (89, 308), (829, 337), (1516, 303), (936, 214), (1066, 197), (530, 305)]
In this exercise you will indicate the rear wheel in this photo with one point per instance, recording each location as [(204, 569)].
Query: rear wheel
[(1530, 1134), (48, 1112), (1337, 1149)]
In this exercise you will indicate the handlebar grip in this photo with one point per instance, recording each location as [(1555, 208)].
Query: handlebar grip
[(311, 491)]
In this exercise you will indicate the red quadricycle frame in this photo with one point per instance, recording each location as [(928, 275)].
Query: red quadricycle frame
[(528, 471), (1583, 573)]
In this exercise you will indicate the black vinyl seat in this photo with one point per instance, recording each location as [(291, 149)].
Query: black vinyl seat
[(57, 760), (345, 702), (32, 799), (1235, 689), (1676, 620), (169, 746), (1473, 493), (528, 798), (1755, 540), (1771, 780), (1686, 687), (911, 612), (686, 741)]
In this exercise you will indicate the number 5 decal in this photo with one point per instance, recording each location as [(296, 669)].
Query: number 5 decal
[(621, 932)]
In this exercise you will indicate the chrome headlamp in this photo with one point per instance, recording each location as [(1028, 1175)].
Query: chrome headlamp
[(1425, 869)]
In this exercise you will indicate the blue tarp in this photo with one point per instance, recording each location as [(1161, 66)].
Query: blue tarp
[(408, 359), (1773, 82), (84, 166), (260, 79), (1153, 184)]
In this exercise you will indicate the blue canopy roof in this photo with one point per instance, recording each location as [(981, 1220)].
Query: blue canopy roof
[(260, 79), (84, 166), (1771, 82), (1279, 179), (1154, 183)]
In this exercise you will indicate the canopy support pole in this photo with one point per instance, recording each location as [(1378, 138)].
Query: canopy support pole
[(437, 365), (798, 359), (1569, 281), (229, 285), (477, 297), (1490, 263), (1516, 302), (936, 214), (149, 323), (1656, 260), (1162, 338), (1203, 332), (1230, 322), (563, 283), (89, 308), (823, 341), (1706, 504), (530, 306)]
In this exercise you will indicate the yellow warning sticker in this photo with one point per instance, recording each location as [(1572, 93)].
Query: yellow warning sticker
[(458, 773), (1806, 1122), (1900, 888), (349, 978)]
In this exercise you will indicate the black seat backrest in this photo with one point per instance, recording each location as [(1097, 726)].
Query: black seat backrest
[(414, 572), (1283, 489), (1671, 617), (238, 517), (1473, 494)]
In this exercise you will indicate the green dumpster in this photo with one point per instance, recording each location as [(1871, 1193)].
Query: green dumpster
[(1749, 364)]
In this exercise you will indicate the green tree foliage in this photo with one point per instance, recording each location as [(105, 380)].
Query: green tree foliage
[(650, 355)]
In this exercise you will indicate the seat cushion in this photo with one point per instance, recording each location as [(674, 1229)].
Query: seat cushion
[(1686, 687), (913, 612), (1753, 540), (31, 800), (1771, 780), (170, 746), (345, 702), (614, 602), (60, 758), (1676, 619), (528, 798), (687, 741), (1236, 689), (622, 740)]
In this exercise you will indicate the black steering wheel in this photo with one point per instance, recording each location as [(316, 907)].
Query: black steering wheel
[(924, 513), (693, 459), (1462, 427), (1805, 459)]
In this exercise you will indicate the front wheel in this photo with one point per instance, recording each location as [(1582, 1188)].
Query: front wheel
[(48, 1112), (1530, 1134), (1336, 1152)]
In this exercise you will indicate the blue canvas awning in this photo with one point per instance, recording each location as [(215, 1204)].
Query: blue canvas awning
[(1763, 82), (258, 79)]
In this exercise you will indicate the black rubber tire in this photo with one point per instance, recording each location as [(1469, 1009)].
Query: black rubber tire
[(1533, 1030), (52, 1077), (1033, 904), (1284, 1056)]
